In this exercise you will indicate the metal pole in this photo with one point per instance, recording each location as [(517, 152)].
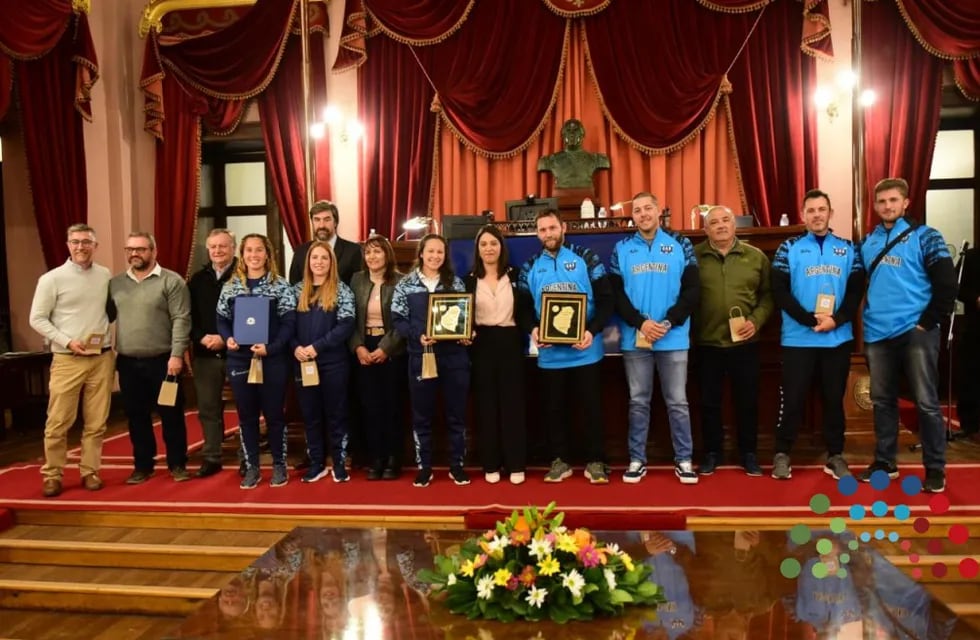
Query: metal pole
[(857, 123), (304, 28)]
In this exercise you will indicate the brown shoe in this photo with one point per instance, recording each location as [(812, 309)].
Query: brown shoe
[(92, 482), (52, 488)]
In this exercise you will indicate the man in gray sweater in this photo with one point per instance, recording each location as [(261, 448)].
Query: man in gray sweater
[(153, 321), (69, 310)]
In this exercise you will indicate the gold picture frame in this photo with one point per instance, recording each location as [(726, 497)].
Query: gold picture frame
[(562, 317), (450, 316)]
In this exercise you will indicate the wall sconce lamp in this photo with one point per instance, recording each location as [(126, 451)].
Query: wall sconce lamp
[(424, 224), (351, 129), (828, 98)]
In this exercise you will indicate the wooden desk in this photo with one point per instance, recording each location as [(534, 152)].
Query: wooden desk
[(23, 386), (353, 583)]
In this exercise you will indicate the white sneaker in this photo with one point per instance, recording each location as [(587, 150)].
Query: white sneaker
[(517, 477), (635, 472), (685, 472), (492, 477)]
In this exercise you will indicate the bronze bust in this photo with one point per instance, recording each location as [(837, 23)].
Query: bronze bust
[(572, 167)]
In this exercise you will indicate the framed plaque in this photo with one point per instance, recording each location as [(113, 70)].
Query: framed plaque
[(450, 316), (562, 317)]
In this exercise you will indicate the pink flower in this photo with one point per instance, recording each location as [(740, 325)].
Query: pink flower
[(513, 583), (589, 557)]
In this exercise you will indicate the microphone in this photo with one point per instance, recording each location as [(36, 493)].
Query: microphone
[(966, 245)]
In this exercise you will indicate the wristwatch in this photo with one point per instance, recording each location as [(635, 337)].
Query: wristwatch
[(666, 323)]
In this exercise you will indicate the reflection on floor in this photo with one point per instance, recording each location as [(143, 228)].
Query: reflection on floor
[(357, 583)]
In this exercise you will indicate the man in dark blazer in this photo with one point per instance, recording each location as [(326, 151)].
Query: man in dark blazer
[(324, 218)]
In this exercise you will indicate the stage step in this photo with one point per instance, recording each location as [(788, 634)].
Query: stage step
[(109, 554), (103, 598), (60, 625)]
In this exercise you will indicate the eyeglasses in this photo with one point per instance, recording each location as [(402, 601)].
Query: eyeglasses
[(81, 243), (136, 249)]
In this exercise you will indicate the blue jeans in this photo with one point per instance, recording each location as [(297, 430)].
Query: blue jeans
[(640, 369), (917, 353)]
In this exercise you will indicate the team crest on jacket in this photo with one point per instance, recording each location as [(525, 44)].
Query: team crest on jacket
[(840, 251), (666, 248), (570, 266)]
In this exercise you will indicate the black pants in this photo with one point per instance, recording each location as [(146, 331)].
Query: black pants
[(968, 374), (831, 366), (741, 364), (267, 399), (497, 365), (324, 409), (381, 391), (139, 384), (560, 386)]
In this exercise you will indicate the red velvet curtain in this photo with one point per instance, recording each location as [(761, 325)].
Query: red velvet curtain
[(660, 98), (49, 51), (393, 100), (208, 78), (281, 112), (900, 128), (775, 126), (657, 100), (947, 29)]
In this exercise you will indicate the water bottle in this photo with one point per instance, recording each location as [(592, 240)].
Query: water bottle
[(784, 220), (372, 233), (588, 209)]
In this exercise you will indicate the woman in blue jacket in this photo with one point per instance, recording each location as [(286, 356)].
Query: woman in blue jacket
[(324, 322), (409, 312), (255, 275)]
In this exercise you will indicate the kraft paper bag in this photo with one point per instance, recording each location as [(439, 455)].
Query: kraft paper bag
[(309, 373), (735, 323), (168, 392), (825, 303), (94, 343), (642, 342), (255, 371), (429, 370)]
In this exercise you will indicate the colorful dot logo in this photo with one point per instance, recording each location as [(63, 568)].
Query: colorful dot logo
[(833, 559)]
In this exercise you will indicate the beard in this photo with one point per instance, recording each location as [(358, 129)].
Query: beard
[(323, 235)]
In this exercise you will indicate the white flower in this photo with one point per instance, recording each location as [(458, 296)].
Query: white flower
[(574, 582), (535, 597), (540, 548), (451, 579), (610, 578), (497, 544), (612, 549), (484, 588)]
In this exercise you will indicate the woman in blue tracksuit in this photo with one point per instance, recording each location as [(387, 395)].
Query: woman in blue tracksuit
[(324, 322), (255, 275), (409, 312)]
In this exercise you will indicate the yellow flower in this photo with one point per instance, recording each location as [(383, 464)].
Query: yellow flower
[(500, 577), (627, 561), (468, 568), (549, 566), (565, 542)]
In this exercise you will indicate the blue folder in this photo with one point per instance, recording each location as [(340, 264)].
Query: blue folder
[(251, 320)]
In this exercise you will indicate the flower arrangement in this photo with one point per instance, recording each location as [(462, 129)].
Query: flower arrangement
[(531, 567)]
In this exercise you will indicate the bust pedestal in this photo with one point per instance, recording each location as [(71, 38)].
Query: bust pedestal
[(570, 201)]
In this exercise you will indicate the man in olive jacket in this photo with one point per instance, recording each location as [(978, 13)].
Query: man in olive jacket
[(734, 283)]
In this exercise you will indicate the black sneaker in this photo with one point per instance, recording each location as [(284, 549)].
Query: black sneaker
[(878, 465), (139, 476), (751, 465), (709, 464), (935, 481), (458, 475), (423, 478)]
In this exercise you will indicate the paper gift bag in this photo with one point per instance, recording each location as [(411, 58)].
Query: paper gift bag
[(825, 303), (641, 341), (309, 373), (94, 343), (255, 371), (735, 323), (168, 392), (429, 370)]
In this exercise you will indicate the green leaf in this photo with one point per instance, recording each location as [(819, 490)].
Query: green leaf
[(431, 577), (619, 596)]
